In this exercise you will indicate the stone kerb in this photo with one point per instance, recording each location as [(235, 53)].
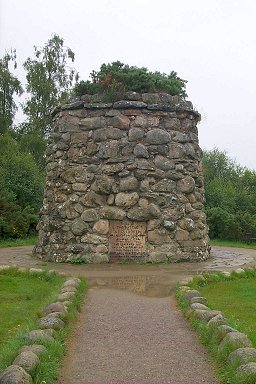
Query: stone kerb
[(136, 160)]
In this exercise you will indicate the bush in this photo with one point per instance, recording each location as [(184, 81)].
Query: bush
[(118, 77)]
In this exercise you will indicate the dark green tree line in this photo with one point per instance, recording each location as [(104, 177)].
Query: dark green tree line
[(230, 192)]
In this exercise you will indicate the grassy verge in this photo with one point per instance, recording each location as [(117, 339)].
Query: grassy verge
[(234, 296), (236, 244), (22, 297), (18, 242)]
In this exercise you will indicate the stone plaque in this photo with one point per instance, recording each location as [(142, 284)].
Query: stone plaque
[(127, 240)]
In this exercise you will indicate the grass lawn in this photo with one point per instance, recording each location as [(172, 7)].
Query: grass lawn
[(236, 298), (22, 297), (18, 242), (237, 244)]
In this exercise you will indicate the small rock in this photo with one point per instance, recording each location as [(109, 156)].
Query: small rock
[(158, 136), (222, 331), (35, 348), (141, 151), (242, 356), (38, 335), (36, 270), (205, 315), (234, 340), (101, 227), (195, 306), (15, 375), (198, 299), (27, 360), (72, 282), (55, 307), (192, 293), (184, 289), (126, 199), (69, 288), (186, 281), (217, 320), (226, 273), (65, 296), (52, 322), (239, 271), (247, 373), (129, 183)]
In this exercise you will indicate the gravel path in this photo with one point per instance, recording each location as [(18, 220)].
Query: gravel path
[(126, 338)]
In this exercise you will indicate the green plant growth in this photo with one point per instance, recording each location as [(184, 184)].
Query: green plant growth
[(230, 192), (234, 296), (22, 298), (21, 190), (79, 260), (229, 243), (10, 86), (118, 78), (236, 299), (31, 240), (49, 80)]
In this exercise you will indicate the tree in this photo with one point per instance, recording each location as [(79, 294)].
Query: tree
[(21, 189), (230, 192), (9, 87), (49, 80), (119, 77)]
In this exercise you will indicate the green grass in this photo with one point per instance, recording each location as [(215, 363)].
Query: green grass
[(18, 242), (236, 244), (236, 299), (22, 298)]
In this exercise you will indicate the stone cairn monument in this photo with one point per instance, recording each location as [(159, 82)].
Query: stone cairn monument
[(124, 182)]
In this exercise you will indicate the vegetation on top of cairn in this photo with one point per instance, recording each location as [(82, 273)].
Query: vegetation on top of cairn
[(116, 78)]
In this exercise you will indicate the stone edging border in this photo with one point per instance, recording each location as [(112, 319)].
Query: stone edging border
[(51, 322), (234, 346)]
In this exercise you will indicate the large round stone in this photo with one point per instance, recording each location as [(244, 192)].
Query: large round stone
[(55, 307), (234, 340), (129, 183), (79, 227), (35, 348), (47, 322), (112, 213), (247, 373), (158, 136), (27, 360), (101, 227), (186, 185), (38, 335), (15, 375), (126, 200), (242, 356)]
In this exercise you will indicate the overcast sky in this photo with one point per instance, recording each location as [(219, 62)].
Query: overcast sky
[(212, 44)]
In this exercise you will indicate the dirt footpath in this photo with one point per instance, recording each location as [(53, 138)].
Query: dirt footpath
[(126, 338)]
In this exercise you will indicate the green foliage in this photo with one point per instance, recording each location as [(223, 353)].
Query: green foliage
[(9, 86), (79, 260), (118, 77), (49, 79), (230, 192), (23, 295), (234, 296), (21, 190)]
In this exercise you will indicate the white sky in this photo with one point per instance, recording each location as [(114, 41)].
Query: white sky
[(210, 43)]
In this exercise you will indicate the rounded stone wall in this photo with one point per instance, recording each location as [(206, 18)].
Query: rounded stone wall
[(124, 182)]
